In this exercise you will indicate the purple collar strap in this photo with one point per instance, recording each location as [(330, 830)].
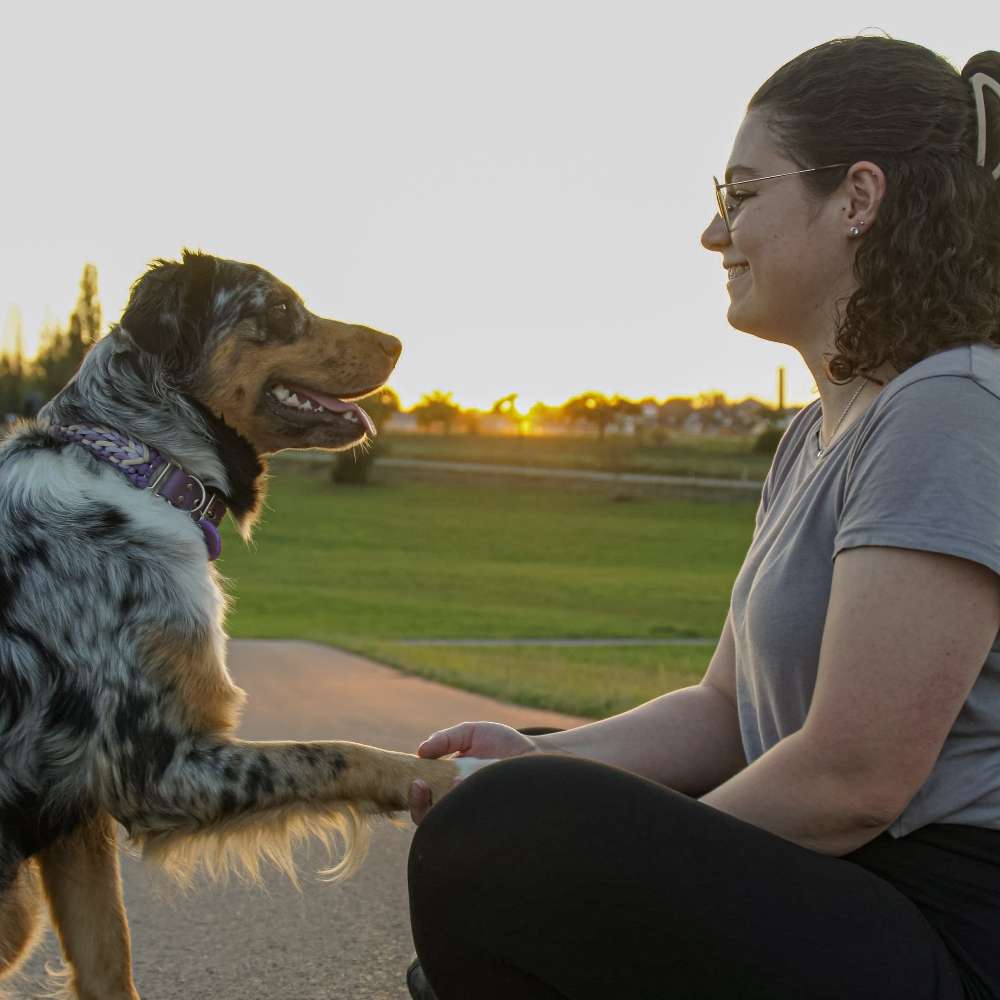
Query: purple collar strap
[(146, 469)]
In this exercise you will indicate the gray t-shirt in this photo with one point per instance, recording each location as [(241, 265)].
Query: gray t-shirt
[(919, 470)]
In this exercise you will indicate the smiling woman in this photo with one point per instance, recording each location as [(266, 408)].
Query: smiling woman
[(806, 821)]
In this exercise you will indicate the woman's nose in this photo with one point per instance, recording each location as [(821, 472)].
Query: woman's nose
[(716, 235)]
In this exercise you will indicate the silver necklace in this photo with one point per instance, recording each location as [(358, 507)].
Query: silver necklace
[(820, 450)]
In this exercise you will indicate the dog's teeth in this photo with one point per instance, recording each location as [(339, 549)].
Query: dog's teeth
[(350, 415), (289, 398)]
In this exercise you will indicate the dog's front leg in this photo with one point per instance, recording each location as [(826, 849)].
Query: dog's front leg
[(228, 801), (83, 884), (215, 780)]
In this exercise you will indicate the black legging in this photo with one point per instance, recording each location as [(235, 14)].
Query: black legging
[(553, 877)]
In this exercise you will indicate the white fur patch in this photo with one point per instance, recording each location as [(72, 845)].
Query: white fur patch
[(469, 765)]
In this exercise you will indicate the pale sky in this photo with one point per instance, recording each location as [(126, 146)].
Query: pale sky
[(514, 189)]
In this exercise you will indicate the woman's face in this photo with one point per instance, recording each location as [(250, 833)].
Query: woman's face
[(798, 252)]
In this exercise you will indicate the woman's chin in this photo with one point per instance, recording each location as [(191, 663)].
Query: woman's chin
[(744, 321), (739, 318)]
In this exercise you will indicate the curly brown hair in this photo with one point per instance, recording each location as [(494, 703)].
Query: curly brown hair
[(928, 271)]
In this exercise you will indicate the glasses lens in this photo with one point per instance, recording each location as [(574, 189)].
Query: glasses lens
[(720, 201)]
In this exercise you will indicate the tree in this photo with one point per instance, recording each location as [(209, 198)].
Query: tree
[(542, 415), (437, 408), (53, 365), (382, 406), (85, 321), (591, 407), (12, 367), (505, 404), (506, 407), (766, 442), (623, 407), (713, 400), (61, 351), (353, 466), (676, 410), (469, 421)]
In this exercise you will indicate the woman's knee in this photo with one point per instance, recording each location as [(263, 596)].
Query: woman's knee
[(507, 792), (487, 810), (542, 800)]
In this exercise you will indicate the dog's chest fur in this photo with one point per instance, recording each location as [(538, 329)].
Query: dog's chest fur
[(111, 628)]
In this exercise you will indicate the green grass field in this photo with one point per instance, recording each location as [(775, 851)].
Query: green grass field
[(723, 457), (364, 567)]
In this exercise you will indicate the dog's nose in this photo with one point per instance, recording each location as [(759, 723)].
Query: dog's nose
[(389, 345)]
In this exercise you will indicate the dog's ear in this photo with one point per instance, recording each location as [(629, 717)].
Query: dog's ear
[(169, 300)]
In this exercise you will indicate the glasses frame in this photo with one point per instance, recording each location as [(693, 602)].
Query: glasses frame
[(721, 201)]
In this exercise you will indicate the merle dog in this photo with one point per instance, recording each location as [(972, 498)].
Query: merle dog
[(115, 703)]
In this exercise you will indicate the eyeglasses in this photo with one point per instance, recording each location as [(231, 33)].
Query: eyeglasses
[(721, 201)]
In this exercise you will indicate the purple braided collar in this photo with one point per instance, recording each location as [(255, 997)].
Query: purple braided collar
[(146, 469)]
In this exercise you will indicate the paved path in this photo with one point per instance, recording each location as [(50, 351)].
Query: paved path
[(350, 940)]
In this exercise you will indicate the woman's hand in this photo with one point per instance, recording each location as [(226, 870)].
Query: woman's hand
[(489, 740)]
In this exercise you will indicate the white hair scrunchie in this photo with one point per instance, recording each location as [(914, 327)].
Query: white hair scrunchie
[(979, 82)]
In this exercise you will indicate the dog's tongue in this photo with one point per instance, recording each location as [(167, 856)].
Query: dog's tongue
[(339, 406)]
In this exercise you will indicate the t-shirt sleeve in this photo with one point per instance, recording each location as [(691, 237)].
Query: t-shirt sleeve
[(926, 473)]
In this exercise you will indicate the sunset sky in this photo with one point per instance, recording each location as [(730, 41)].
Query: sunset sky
[(516, 190)]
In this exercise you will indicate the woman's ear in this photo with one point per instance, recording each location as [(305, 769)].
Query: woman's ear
[(168, 299), (866, 188)]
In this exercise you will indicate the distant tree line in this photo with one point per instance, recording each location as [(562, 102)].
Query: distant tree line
[(596, 413), (27, 383)]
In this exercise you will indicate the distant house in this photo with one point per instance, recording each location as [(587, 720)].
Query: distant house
[(403, 423), (693, 424), (623, 425)]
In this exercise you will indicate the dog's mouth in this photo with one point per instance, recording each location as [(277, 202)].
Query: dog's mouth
[(307, 408)]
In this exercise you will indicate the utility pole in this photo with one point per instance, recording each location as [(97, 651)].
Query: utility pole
[(781, 390)]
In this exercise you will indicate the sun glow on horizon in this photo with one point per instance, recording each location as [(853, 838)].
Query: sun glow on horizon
[(524, 232), (34, 324)]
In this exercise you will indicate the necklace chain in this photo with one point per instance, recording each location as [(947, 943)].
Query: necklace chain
[(820, 450)]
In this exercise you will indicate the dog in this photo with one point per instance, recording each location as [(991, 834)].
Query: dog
[(116, 706)]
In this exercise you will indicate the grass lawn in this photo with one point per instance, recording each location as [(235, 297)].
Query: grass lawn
[(590, 681), (362, 566), (721, 457)]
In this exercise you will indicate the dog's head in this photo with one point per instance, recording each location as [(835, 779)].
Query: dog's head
[(244, 345)]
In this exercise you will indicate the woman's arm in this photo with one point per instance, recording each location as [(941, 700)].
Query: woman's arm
[(906, 635), (688, 739)]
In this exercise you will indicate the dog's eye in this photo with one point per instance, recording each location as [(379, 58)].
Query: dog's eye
[(279, 319)]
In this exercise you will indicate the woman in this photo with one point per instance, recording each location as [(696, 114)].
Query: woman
[(820, 817)]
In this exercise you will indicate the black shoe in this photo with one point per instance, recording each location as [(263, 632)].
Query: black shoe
[(419, 988)]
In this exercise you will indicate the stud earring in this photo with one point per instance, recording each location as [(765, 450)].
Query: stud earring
[(856, 230)]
